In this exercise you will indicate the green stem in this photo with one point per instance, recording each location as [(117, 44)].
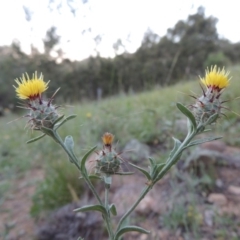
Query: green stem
[(108, 217), (106, 197), (108, 180), (175, 157), (75, 161), (130, 210), (171, 162)]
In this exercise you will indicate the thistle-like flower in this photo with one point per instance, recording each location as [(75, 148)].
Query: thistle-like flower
[(215, 80), (41, 113), (30, 88)]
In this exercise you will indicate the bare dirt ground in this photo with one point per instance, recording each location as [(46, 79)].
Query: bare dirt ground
[(224, 197), (15, 221)]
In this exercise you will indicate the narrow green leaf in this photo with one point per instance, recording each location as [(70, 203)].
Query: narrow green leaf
[(64, 121), (84, 159), (207, 130), (130, 229), (152, 161), (212, 119), (156, 169), (153, 171), (69, 144), (36, 138), (200, 141), (200, 128), (177, 144), (87, 208), (123, 173), (160, 166), (188, 114), (92, 177), (48, 131), (113, 209), (107, 180), (57, 120), (145, 172)]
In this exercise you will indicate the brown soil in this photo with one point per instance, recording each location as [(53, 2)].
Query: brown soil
[(15, 218), (15, 221)]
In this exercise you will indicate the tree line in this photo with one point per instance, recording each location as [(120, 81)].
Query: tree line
[(185, 51)]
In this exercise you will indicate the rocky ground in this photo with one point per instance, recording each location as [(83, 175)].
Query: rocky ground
[(198, 199)]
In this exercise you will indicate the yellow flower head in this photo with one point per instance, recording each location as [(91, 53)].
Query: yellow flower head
[(30, 88), (107, 139), (88, 115), (216, 78)]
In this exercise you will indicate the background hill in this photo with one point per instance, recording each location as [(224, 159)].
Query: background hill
[(183, 53), (40, 172)]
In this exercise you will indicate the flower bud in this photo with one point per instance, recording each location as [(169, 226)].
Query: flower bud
[(108, 162), (42, 114)]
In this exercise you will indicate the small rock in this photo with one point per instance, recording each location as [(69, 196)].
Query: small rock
[(135, 151), (181, 126), (218, 199), (146, 205), (143, 237), (164, 234), (234, 190), (21, 233), (64, 224), (180, 238), (208, 217), (219, 183), (218, 146)]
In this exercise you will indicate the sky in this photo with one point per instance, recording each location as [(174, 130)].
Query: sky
[(111, 19)]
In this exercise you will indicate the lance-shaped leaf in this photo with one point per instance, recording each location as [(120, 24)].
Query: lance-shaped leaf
[(156, 169), (177, 144), (93, 177), (84, 159), (113, 209), (87, 208), (188, 114), (59, 119), (203, 140), (145, 172), (64, 121), (200, 128), (48, 131), (69, 144), (153, 167), (36, 138), (123, 173), (130, 229), (152, 161), (160, 166), (212, 119), (107, 179), (207, 130)]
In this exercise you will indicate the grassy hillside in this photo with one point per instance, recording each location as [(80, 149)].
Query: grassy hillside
[(148, 117)]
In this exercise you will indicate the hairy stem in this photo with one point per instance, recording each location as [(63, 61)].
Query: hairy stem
[(75, 161), (108, 217), (175, 157)]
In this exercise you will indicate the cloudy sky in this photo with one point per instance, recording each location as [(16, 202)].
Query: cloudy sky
[(112, 19)]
